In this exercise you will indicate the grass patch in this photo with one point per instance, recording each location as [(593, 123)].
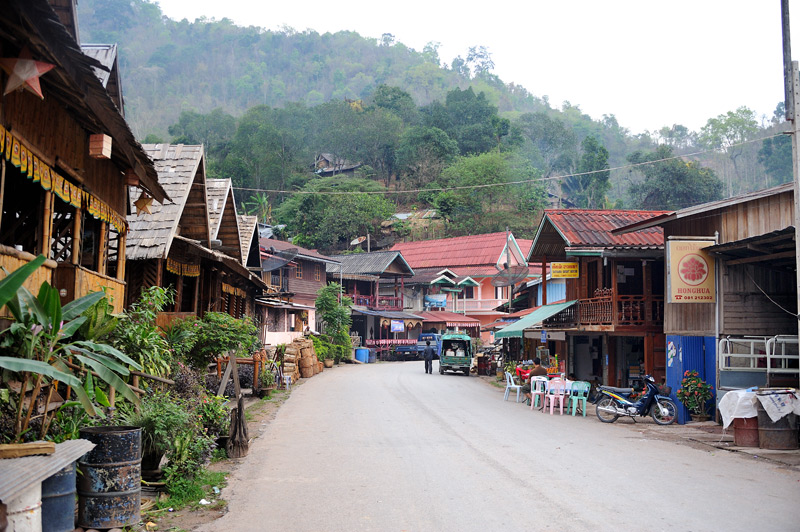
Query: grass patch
[(188, 492)]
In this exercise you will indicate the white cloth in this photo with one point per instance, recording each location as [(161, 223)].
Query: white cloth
[(778, 404), (737, 403)]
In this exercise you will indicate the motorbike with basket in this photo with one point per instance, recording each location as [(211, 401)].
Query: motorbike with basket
[(614, 402)]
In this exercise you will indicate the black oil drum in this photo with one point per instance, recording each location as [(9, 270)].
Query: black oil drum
[(58, 501), (110, 480)]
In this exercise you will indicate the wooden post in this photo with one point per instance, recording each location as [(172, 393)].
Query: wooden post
[(3, 189), (47, 227), (102, 248), (76, 237), (121, 257), (196, 300), (544, 280), (238, 441), (179, 294)]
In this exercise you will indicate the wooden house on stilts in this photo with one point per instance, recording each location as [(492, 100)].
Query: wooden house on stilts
[(67, 155), (172, 244)]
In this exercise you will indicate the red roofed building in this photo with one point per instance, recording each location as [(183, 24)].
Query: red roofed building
[(612, 328), (455, 274)]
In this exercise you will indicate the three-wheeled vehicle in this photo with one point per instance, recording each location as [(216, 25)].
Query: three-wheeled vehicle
[(456, 353)]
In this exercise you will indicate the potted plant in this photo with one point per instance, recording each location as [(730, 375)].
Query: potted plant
[(694, 393)]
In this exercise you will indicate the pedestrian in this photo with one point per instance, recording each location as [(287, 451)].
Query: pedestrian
[(428, 355)]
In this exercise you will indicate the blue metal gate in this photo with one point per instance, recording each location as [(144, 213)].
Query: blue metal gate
[(685, 353)]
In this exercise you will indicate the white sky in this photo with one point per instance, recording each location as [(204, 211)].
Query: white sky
[(649, 62)]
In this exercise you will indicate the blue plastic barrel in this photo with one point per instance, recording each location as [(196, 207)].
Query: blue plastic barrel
[(362, 355)]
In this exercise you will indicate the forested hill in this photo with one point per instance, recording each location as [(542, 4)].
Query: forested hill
[(169, 66)]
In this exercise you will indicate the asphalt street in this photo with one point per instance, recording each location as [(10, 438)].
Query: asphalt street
[(386, 447)]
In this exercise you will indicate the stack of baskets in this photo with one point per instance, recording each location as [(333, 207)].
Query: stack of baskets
[(300, 359)]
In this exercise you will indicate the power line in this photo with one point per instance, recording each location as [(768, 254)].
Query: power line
[(507, 183)]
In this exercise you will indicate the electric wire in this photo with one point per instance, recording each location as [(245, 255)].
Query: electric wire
[(507, 183)]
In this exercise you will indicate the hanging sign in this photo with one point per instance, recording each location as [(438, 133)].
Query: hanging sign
[(435, 301), (690, 272), (564, 270), (398, 326)]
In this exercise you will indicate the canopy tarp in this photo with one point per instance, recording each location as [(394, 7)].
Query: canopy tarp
[(537, 316)]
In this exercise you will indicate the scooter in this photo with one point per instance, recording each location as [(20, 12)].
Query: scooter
[(615, 402)]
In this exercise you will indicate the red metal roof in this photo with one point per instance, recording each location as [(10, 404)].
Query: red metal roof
[(592, 228), (452, 319), (459, 251)]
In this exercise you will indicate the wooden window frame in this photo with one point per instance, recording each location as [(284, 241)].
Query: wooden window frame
[(317, 272), (298, 271)]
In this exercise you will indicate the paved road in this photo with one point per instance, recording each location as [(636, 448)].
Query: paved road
[(385, 447)]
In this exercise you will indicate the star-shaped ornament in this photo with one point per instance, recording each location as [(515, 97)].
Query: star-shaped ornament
[(24, 72), (143, 204)]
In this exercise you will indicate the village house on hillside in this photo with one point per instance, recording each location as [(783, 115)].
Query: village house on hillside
[(171, 245), (328, 165), (67, 157), (455, 274)]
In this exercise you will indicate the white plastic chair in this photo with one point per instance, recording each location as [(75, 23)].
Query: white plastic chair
[(538, 389), (511, 386)]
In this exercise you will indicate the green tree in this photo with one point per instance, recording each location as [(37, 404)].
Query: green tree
[(672, 183), (397, 101), (589, 187), (728, 132), (776, 157), (551, 144), (422, 154)]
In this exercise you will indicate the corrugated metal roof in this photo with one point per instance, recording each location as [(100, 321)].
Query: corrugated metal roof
[(593, 229), (150, 234), (515, 330), (450, 319), (472, 250), (373, 263), (308, 254), (19, 474)]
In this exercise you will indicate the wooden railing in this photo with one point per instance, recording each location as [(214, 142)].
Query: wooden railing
[(12, 259), (610, 311), (77, 281), (377, 303), (474, 304)]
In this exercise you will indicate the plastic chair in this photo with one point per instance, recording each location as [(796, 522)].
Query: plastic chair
[(538, 389), (578, 394), (556, 391), (511, 386)]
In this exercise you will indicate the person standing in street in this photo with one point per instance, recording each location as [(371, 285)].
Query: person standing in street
[(427, 354)]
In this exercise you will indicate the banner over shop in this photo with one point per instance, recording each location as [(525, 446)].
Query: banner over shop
[(690, 273)]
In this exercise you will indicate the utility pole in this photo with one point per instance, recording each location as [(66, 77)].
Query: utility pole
[(792, 94)]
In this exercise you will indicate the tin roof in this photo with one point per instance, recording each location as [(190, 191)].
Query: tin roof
[(374, 263), (593, 229), (303, 253), (19, 474), (450, 319), (471, 250)]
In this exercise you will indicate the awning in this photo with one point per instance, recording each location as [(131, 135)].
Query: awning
[(282, 304), (537, 316), (386, 316), (450, 319)]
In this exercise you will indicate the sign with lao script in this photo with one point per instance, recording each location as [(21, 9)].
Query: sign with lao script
[(564, 270), (690, 272), (398, 326)]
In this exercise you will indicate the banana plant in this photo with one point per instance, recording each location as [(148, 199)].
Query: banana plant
[(41, 341)]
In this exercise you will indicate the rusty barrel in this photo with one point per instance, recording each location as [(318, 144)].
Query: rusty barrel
[(110, 479), (745, 431), (781, 434)]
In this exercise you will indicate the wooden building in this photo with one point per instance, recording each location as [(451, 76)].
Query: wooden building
[(747, 243), (171, 244), (610, 327), (67, 157)]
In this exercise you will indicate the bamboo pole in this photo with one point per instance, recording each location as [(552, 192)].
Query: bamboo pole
[(76, 237), (47, 228), (102, 248), (121, 257)]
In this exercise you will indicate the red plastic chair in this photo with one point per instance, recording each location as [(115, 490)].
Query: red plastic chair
[(556, 391)]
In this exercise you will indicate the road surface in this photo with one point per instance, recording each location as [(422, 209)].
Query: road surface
[(386, 447)]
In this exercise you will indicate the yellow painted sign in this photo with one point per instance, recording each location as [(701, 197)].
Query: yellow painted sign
[(564, 270), (690, 277)]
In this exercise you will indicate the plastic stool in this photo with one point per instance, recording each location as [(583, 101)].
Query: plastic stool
[(287, 381)]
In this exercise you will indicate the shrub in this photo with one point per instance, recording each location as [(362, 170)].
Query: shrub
[(219, 333)]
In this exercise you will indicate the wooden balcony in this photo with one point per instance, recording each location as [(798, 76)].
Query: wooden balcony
[(609, 312), (377, 302), (77, 281), (474, 305)]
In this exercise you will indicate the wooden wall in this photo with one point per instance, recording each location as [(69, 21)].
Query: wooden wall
[(305, 289), (54, 135), (746, 311)]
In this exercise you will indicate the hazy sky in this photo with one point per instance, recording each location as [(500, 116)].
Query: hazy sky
[(651, 63)]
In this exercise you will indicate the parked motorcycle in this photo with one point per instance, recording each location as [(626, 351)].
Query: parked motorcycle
[(615, 402)]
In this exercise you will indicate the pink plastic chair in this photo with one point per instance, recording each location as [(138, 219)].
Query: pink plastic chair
[(556, 391), (538, 389)]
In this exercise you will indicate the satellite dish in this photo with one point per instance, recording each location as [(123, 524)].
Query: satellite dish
[(272, 259), (358, 240), (510, 276)]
